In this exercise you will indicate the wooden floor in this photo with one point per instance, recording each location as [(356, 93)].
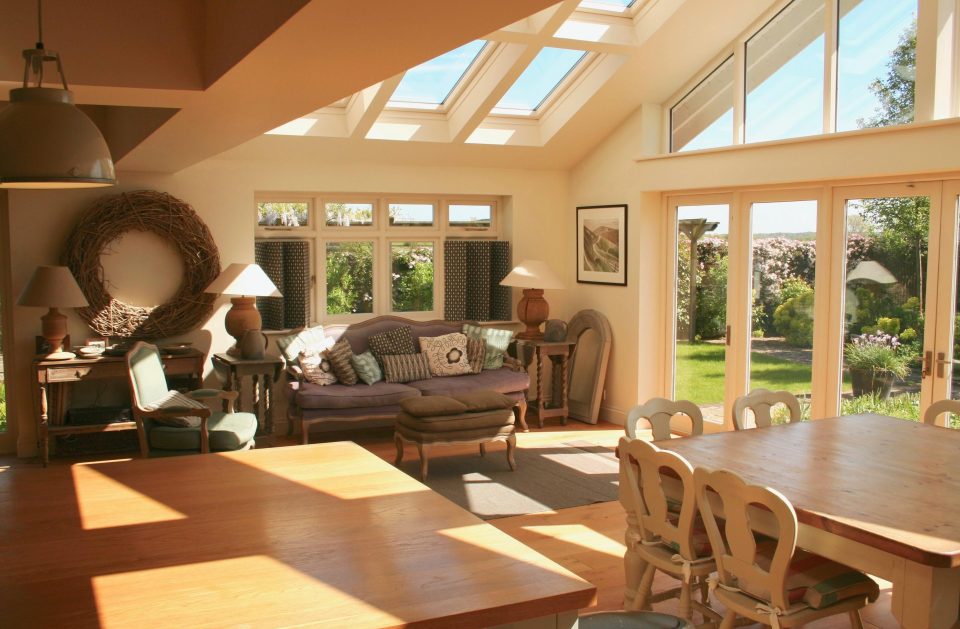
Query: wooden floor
[(587, 540)]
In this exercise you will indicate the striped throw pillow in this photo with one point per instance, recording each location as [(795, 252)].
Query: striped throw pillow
[(340, 355), (476, 351), (497, 343), (405, 367)]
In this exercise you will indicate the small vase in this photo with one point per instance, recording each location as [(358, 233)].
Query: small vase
[(868, 381)]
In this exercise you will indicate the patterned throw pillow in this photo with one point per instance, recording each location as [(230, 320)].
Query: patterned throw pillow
[(366, 367), (497, 343), (405, 367), (476, 351), (398, 340), (340, 355), (306, 339), (447, 354), (317, 368)]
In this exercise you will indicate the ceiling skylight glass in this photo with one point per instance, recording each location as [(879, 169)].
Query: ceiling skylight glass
[(429, 84), (617, 6), (539, 80)]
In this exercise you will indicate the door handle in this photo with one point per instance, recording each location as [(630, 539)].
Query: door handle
[(941, 361), (927, 364)]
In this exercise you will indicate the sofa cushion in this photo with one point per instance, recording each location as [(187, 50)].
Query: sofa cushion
[(339, 396), (500, 380), (405, 367), (446, 354), (484, 400), (305, 339), (317, 368), (432, 406), (497, 343), (367, 367), (476, 352), (399, 340), (340, 355)]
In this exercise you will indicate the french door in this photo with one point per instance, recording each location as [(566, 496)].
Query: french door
[(802, 289)]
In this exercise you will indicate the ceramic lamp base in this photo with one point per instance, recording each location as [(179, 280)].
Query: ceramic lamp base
[(242, 316), (532, 310)]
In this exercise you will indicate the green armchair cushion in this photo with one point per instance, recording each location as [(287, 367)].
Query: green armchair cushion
[(227, 431)]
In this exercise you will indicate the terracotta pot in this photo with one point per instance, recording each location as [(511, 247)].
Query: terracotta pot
[(867, 381)]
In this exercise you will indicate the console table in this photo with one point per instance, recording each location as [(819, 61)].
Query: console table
[(264, 372), (53, 379), (558, 353)]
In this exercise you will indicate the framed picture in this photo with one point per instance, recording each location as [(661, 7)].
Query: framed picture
[(602, 244)]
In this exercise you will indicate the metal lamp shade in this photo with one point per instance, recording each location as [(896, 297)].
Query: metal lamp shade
[(49, 143)]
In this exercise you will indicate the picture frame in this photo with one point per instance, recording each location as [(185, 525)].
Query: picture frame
[(97, 341), (602, 244)]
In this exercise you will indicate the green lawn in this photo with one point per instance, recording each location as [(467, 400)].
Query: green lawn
[(701, 372)]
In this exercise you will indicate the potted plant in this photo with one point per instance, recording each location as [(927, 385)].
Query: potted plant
[(874, 361)]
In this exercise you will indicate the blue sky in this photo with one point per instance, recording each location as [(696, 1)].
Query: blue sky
[(540, 78), (789, 103), (431, 82), (789, 217)]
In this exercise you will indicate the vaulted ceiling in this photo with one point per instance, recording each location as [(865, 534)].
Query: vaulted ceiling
[(175, 82)]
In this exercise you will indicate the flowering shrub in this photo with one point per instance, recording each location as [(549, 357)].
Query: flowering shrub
[(794, 317), (879, 353)]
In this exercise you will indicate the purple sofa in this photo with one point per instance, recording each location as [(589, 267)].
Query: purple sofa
[(362, 404)]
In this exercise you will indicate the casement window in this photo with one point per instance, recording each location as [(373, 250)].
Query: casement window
[(342, 257)]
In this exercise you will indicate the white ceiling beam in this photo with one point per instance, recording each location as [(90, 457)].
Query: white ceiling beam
[(576, 96), (363, 110)]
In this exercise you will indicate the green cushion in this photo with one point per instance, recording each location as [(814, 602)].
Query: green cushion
[(302, 340), (497, 343), (367, 367), (227, 431)]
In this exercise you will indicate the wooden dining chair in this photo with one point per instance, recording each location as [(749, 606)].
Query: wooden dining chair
[(659, 411), (662, 535), (761, 402), (768, 579), (951, 407)]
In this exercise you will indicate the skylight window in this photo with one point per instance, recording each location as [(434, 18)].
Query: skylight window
[(615, 6), (538, 81), (428, 85)]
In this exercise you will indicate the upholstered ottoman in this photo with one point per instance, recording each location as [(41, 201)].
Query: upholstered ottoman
[(478, 417)]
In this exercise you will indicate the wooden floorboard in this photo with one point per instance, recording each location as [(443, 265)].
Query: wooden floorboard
[(586, 540)]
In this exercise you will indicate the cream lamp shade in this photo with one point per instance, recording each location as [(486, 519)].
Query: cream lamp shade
[(47, 142), (246, 282), (53, 287), (533, 276)]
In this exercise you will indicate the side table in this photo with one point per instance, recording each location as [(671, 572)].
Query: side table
[(558, 353), (264, 372)]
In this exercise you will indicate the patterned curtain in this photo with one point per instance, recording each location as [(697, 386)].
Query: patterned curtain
[(473, 270), (288, 265)]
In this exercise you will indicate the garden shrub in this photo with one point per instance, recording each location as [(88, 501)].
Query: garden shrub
[(794, 319), (712, 302)]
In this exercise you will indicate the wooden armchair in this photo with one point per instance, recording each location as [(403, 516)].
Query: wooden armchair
[(170, 422)]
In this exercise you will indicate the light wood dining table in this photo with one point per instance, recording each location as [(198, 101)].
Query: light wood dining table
[(876, 493), (318, 535)]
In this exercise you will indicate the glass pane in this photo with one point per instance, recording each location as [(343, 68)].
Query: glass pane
[(349, 277), (411, 214), (785, 74), (953, 420), (348, 214), (467, 215), (430, 83), (701, 283), (704, 118), (877, 44), (538, 81), (285, 214), (886, 274), (784, 262), (412, 276), (615, 6)]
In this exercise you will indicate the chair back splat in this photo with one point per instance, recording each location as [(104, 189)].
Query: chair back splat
[(659, 412), (951, 407), (761, 402)]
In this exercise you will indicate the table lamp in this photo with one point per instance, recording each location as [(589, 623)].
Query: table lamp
[(533, 276), (53, 287), (245, 282)]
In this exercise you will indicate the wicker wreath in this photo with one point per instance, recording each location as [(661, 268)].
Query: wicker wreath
[(167, 217)]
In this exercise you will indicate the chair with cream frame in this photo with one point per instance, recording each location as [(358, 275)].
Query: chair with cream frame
[(169, 422), (769, 580), (659, 537), (761, 402), (951, 407), (659, 411)]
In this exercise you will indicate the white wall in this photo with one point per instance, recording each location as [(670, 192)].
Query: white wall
[(222, 193)]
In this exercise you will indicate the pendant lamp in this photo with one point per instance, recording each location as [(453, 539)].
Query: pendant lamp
[(47, 142)]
